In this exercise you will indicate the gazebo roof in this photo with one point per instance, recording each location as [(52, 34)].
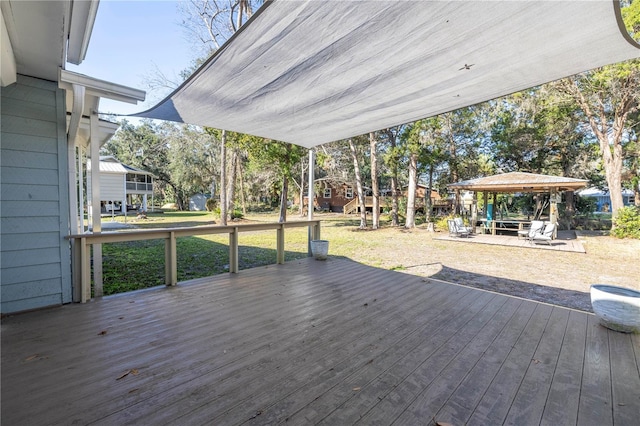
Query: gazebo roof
[(520, 182)]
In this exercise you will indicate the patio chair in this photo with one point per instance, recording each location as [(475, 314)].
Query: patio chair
[(536, 228), (454, 231), (460, 225), (546, 236)]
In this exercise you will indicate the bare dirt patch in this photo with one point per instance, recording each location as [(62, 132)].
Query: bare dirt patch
[(560, 278)]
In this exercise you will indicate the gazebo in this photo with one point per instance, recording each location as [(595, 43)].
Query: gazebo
[(511, 183)]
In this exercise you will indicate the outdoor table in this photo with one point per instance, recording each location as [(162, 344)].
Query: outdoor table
[(502, 224)]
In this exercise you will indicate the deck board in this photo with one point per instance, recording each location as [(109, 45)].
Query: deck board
[(311, 342)]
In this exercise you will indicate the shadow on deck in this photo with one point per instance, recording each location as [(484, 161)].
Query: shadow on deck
[(297, 343)]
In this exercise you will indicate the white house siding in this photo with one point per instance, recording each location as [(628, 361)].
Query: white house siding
[(35, 258), (111, 186)]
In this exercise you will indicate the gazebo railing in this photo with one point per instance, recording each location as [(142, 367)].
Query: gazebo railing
[(82, 244)]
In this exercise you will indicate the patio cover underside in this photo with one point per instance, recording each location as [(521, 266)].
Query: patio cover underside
[(310, 72)]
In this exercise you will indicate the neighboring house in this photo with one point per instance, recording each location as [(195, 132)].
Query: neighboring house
[(331, 196), (49, 123), (603, 199), (121, 185), (343, 198)]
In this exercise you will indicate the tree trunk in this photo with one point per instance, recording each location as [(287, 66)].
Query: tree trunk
[(394, 182), (610, 140), (242, 194), (223, 179), (375, 217), (428, 207), (394, 199), (233, 169), (283, 200), (453, 162), (411, 191), (356, 168)]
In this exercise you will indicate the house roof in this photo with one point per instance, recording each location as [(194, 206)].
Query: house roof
[(109, 164), (310, 72), (597, 192), (520, 182)]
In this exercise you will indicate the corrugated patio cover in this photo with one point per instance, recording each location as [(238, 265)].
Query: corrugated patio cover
[(310, 72)]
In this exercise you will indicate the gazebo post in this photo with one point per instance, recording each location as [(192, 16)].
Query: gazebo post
[(485, 198), (474, 211), (494, 199), (553, 209)]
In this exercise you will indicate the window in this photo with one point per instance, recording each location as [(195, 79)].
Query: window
[(327, 193), (348, 193)]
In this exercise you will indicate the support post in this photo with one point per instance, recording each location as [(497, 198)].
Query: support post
[(474, 211), (311, 196), (85, 268), (95, 198), (76, 270), (280, 244), (170, 260)]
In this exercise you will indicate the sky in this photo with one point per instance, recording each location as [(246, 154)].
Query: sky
[(129, 40)]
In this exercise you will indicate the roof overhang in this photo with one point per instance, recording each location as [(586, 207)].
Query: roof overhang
[(83, 94), (520, 182), (39, 36), (310, 72), (83, 16), (96, 88)]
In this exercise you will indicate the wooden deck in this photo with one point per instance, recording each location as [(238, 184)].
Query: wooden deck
[(299, 344), (566, 241)]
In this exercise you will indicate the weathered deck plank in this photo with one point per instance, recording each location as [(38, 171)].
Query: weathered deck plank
[(311, 342), (563, 398)]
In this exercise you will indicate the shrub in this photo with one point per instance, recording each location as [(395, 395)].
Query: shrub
[(626, 224), (211, 205), (585, 205), (441, 223)]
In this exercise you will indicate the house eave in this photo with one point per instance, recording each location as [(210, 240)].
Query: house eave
[(83, 16)]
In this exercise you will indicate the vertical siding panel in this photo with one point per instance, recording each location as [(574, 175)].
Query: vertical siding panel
[(35, 272)]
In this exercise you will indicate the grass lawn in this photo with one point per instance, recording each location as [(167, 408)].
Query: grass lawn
[(130, 266)]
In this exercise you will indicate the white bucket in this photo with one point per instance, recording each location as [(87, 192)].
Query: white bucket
[(320, 249)]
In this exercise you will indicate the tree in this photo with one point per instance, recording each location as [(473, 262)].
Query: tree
[(359, 189), (211, 23), (607, 97), (539, 130), (426, 143), (285, 157), (375, 192), (392, 157)]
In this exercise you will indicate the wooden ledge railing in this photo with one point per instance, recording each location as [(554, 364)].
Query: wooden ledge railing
[(82, 243)]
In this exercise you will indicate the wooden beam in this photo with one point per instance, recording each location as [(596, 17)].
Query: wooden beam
[(233, 251)]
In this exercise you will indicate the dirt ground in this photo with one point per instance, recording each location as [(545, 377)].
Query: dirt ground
[(560, 278)]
